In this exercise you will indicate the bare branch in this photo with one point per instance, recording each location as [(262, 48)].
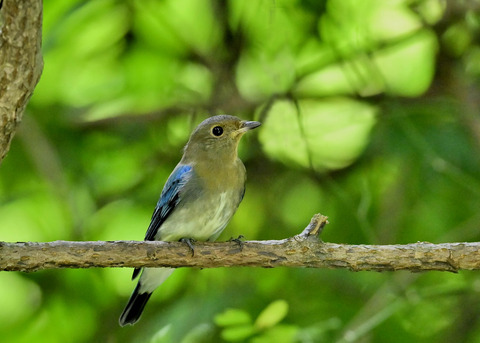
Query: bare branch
[(20, 63), (303, 250)]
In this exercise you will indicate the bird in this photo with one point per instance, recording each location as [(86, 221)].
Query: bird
[(198, 200)]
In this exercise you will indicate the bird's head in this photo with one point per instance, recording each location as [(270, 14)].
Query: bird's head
[(217, 137)]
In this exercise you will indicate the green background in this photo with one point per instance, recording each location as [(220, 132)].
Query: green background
[(370, 113)]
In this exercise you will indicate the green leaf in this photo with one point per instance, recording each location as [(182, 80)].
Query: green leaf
[(408, 67), (237, 333), (277, 334), (272, 315), (327, 134), (232, 317)]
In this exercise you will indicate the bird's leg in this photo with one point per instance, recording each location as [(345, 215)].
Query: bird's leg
[(189, 242), (239, 241)]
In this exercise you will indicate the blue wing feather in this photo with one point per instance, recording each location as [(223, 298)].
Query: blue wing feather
[(169, 199)]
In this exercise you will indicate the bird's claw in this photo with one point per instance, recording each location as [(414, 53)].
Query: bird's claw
[(189, 242), (239, 241)]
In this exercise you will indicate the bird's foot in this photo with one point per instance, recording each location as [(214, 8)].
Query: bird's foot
[(189, 242), (239, 241)]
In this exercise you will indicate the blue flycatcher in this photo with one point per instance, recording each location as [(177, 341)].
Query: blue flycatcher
[(198, 199)]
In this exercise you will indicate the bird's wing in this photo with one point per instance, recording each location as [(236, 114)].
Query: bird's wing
[(166, 204), (168, 199)]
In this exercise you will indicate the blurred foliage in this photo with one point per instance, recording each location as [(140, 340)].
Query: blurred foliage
[(370, 114)]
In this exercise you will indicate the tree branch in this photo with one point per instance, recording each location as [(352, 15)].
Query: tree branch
[(20, 63), (303, 250)]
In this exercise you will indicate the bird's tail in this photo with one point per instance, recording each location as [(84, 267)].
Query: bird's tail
[(132, 312), (151, 278)]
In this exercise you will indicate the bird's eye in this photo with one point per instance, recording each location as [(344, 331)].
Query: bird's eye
[(217, 131)]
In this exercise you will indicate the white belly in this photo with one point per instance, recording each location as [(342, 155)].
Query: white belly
[(201, 221)]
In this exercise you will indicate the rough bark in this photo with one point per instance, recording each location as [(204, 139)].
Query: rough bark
[(304, 250), (20, 63)]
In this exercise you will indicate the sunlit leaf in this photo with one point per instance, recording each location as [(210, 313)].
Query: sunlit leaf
[(408, 67), (272, 315), (178, 26), (259, 75), (277, 334), (325, 134), (391, 21), (328, 81), (237, 333), (232, 317)]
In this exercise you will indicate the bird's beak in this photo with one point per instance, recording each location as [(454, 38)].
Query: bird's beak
[(248, 125)]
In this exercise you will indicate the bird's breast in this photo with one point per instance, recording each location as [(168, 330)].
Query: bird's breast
[(202, 219)]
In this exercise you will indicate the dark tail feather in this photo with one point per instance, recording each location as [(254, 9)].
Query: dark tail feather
[(136, 271), (132, 312)]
